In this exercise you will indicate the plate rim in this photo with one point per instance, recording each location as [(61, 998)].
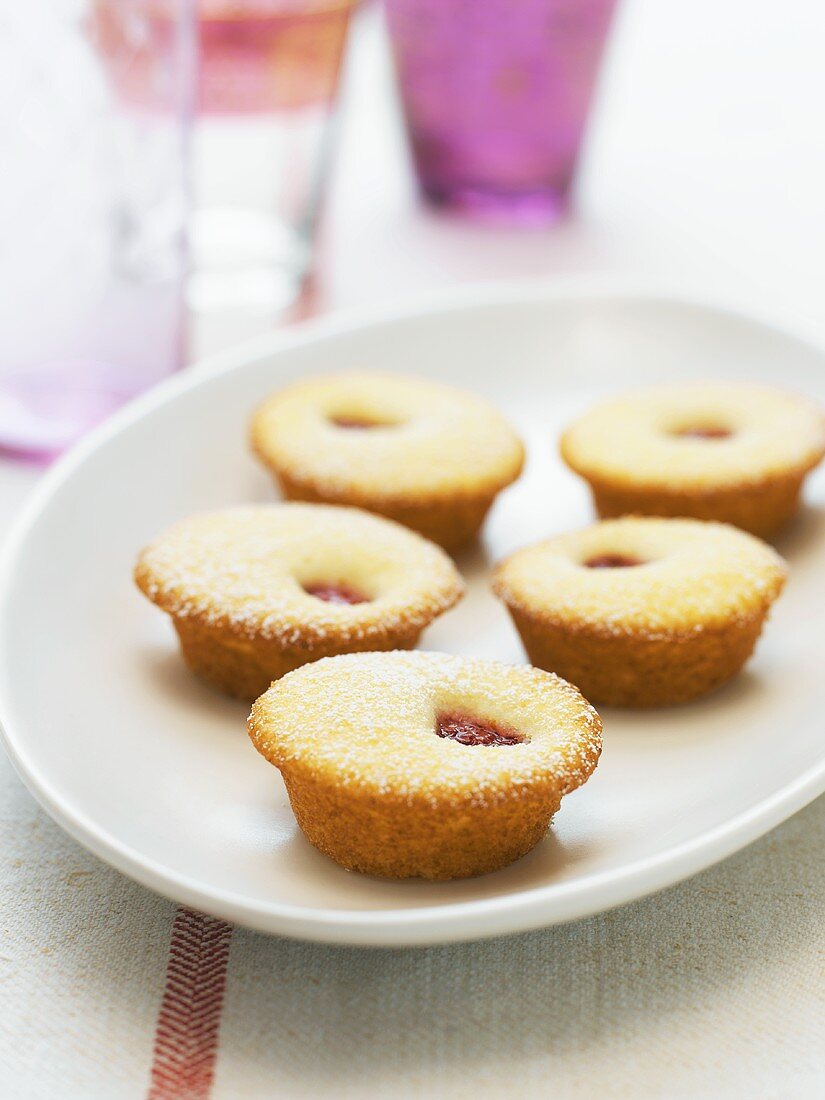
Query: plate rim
[(429, 924)]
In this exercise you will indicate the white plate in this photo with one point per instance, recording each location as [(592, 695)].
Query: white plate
[(154, 772)]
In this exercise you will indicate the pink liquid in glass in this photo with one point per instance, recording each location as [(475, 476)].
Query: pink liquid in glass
[(496, 95), (267, 75), (253, 55), (267, 55)]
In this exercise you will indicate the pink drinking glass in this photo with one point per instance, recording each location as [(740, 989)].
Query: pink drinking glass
[(496, 95), (267, 90)]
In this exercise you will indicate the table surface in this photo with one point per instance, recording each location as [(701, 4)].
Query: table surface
[(705, 174)]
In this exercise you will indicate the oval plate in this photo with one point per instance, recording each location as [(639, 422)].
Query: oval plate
[(153, 771)]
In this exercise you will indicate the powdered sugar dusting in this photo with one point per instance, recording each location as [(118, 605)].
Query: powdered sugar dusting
[(245, 569), (694, 576), (648, 439), (431, 440), (367, 722)]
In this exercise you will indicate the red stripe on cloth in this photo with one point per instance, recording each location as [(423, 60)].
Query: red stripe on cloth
[(186, 1036)]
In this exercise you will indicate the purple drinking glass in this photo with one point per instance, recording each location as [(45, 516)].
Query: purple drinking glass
[(496, 95)]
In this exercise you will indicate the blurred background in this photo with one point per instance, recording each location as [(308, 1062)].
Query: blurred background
[(179, 175)]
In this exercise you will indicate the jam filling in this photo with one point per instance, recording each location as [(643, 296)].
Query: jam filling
[(335, 593), (612, 561), (469, 731), (359, 423), (704, 433)]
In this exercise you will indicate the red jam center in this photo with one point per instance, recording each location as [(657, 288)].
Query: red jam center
[(704, 433), (357, 422), (611, 561), (469, 731), (334, 593)]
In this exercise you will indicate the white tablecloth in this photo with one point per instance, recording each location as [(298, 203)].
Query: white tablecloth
[(706, 172)]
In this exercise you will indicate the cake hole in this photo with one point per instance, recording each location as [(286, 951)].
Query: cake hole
[(612, 561), (704, 431), (335, 593), (361, 423), (470, 731)]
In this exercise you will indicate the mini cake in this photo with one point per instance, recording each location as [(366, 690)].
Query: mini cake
[(423, 764), (422, 453), (729, 452), (256, 591), (642, 612)]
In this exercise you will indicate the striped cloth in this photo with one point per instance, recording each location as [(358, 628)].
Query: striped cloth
[(713, 988)]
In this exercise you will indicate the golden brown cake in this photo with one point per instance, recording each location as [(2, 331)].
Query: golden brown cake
[(642, 612), (425, 454), (730, 452), (256, 591), (423, 764)]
